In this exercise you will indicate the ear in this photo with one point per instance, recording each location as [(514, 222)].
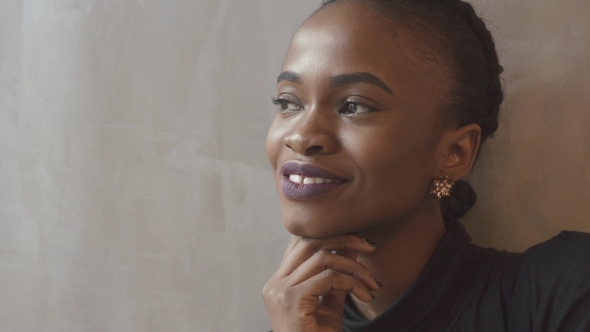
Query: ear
[(457, 151)]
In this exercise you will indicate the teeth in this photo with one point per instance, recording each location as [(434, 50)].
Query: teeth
[(305, 180), (296, 178), (308, 180)]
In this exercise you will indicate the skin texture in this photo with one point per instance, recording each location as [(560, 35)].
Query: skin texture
[(388, 145)]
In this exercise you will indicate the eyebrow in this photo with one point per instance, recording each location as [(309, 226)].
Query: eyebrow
[(289, 76), (345, 79), (340, 80)]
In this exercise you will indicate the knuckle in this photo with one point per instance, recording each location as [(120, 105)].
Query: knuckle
[(328, 260), (329, 273), (281, 297), (267, 290), (321, 255)]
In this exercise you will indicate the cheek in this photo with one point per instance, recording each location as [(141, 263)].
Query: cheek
[(273, 146), (395, 162)]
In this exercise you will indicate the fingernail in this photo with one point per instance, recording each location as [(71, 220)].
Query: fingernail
[(369, 242), (378, 282), (372, 295)]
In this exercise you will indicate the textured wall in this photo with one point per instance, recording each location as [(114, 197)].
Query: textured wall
[(134, 190), (533, 179)]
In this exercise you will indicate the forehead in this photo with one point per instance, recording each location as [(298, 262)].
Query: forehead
[(347, 37)]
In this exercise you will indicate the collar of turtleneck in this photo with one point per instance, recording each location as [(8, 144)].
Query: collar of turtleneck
[(436, 298)]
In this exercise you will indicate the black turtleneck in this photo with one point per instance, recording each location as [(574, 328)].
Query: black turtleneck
[(468, 288)]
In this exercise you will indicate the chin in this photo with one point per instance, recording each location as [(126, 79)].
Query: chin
[(313, 226), (307, 230)]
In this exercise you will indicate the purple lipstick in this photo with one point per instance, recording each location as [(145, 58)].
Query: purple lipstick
[(305, 181)]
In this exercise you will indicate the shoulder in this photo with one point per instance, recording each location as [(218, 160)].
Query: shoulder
[(552, 287), (563, 257)]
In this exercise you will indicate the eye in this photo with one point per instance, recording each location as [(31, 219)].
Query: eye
[(351, 108), (285, 105)]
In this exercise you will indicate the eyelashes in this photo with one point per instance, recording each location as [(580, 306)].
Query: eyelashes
[(348, 107), (276, 100), (352, 108), (285, 105)]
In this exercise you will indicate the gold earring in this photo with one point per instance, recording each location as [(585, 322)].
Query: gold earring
[(441, 187)]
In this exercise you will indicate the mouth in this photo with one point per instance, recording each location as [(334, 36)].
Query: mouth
[(304, 181), (300, 179)]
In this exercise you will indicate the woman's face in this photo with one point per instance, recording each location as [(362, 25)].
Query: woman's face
[(352, 146)]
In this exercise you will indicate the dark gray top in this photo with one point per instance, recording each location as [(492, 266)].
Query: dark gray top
[(468, 288)]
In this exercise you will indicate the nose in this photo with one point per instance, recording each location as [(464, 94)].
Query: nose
[(313, 132)]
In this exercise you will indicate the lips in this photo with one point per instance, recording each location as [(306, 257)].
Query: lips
[(306, 181)]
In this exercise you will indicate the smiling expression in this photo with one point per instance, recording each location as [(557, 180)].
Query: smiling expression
[(352, 144)]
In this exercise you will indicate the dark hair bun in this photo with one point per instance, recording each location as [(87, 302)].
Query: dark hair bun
[(461, 200)]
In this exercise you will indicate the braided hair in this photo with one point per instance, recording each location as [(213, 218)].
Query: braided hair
[(457, 35)]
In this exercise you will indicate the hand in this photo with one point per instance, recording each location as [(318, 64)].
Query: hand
[(308, 291)]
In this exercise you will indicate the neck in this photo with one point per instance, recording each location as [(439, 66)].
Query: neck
[(403, 249)]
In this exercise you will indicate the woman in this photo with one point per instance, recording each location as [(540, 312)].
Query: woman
[(382, 108)]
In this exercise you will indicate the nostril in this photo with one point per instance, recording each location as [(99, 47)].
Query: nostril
[(314, 149), (310, 143)]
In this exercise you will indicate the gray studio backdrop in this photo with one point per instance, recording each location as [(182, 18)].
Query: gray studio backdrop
[(135, 194)]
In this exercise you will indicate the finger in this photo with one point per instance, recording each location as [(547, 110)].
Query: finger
[(328, 318), (335, 300), (304, 248), (331, 280), (347, 253), (292, 243), (353, 256), (324, 260)]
